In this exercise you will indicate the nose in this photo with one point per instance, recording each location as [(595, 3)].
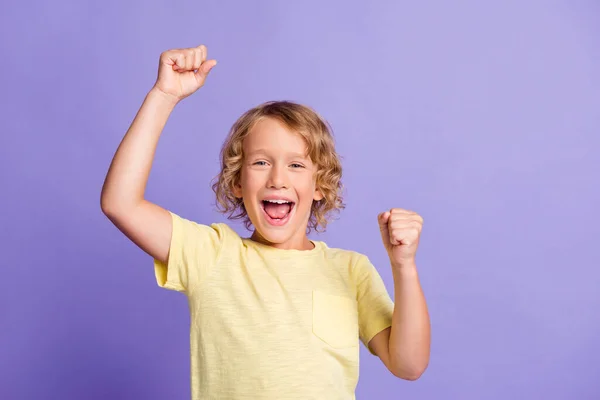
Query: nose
[(277, 178)]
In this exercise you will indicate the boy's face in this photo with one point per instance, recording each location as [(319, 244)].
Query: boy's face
[(277, 185)]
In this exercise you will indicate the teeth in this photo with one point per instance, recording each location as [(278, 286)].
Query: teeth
[(278, 201)]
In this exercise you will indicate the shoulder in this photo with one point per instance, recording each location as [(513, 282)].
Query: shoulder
[(190, 230), (355, 261), (336, 252), (225, 230)]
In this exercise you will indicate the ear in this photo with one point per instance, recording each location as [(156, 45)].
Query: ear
[(237, 190), (318, 195)]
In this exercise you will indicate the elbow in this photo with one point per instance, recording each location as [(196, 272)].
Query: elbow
[(408, 375), (408, 372), (409, 365), (106, 204), (108, 207), (112, 206), (112, 210), (113, 201)]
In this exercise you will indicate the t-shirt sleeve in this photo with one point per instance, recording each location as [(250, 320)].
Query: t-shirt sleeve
[(375, 306), (193, 250)]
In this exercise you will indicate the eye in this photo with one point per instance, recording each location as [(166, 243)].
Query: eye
[(296, 165), (260, 163)]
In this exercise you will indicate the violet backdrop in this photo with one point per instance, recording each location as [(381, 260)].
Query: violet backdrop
[(482, 116)]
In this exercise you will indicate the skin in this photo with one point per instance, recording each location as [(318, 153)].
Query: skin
[(275, 163)]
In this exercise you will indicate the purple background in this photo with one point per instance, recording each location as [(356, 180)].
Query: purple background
[(483, 117)]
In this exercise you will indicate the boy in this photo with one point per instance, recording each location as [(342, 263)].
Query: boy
[(276, 315)]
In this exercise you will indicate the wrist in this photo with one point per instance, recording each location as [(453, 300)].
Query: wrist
[(165, 98), (404, 267), (405, 275)]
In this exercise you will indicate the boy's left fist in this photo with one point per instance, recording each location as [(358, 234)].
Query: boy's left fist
[(400, 233)]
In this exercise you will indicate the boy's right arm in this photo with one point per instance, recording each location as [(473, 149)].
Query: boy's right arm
[(181, 72)]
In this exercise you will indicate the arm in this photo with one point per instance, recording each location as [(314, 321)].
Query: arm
[(181, 72), (122, 198), (404, 348)]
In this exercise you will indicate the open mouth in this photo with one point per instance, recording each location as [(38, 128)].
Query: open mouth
[(277, 211)]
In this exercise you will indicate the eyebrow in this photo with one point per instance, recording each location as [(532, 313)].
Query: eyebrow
[(263, 151)]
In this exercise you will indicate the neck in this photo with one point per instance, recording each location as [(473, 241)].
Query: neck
[(301, 243)]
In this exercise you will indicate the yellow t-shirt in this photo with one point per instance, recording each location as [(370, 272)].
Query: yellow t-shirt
[(268, 323)]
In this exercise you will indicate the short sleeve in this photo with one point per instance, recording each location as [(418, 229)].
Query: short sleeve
[(375, 306), (193, 250)]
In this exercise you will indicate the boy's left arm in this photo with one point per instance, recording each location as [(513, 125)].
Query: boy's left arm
[(404, 348)]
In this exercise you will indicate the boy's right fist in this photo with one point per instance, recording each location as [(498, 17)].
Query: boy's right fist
[(183, 71)]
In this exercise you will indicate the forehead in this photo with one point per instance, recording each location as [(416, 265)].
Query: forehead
[(269, 134)]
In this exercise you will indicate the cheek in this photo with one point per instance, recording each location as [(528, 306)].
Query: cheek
[(250, 182), (307, 190)]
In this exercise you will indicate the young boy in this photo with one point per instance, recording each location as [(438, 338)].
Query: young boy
[(276, 315)]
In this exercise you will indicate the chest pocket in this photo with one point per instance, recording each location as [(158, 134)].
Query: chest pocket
[(335, 319)]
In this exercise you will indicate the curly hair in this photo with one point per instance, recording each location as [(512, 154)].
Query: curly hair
[(321, 149)]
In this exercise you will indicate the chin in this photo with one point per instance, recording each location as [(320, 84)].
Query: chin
[(271, 237), (276, 231)]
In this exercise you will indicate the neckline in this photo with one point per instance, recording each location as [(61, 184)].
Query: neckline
[(265, 248)]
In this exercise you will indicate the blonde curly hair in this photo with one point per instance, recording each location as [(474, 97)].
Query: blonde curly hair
[(321, 148)]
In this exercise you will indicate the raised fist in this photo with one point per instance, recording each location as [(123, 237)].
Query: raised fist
[(183, 71)]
